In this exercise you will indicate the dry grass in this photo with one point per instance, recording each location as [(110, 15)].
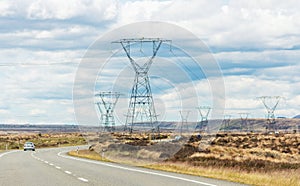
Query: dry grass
[(88, 155), (256, 159), (289, 177), (16, 141), (248, 152), (283, 178)]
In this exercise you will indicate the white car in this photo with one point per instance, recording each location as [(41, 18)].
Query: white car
[(29, 146)]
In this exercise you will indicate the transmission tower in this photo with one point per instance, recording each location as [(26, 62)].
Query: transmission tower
[(184, 120), (141, 105), (270, 103), (244, 121), (226, 122), (204, 112), (106, 105)]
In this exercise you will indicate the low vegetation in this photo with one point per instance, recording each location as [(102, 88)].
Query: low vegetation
[(87, 154), (256, 159), (16, 141), (288, 177)]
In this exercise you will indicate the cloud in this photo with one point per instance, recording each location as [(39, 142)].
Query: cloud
[(256, 44), (233, 25), (37, 80), (242, 93), (95, 11), (5, 8), (61, 38)]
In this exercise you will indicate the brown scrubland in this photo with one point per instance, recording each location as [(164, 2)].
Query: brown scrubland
[(41, 140), (251, 158)]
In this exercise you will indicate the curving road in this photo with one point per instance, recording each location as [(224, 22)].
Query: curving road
[(47, 167)]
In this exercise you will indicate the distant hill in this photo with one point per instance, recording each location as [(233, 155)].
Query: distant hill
[(298, 116)]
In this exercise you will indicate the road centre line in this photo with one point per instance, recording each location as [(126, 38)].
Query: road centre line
[(68, 172), (57, 167), (133, 170), (83, 179)]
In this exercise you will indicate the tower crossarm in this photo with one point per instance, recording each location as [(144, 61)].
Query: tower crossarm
[(270, 107), (126, 44)]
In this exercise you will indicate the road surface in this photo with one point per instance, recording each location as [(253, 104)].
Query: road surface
[(47, 167)]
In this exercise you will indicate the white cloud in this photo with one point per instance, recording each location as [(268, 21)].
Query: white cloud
[(242, 93), (249, 38), (236, 24), (5, 7), (96, 11)]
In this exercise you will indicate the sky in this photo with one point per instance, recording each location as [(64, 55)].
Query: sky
[(256, 44)]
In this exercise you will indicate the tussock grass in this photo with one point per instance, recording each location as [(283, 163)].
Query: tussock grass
[(254, 159), (289, 177)]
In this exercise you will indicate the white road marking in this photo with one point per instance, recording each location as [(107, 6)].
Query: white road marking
[(5, 153), (68, 172), (51, 164), (83, 179), (134, 170)]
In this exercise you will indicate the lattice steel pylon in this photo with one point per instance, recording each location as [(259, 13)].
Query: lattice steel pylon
[(226, 122), (184, 114), (106, 106), (141, 105), (244, 121), (270, 103), (204, 112)]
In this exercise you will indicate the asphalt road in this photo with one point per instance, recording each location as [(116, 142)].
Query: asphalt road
[(47, 167)]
